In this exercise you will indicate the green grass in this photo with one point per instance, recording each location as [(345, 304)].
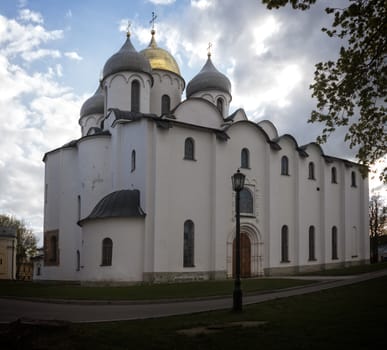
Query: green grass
[(352, 317), (352, 270), (142, 292)]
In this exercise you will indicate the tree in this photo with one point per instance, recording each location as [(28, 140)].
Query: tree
[(25, 239), (378, 219), (352, 90)]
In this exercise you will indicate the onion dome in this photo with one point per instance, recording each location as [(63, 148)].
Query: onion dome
[(94, 104), (126, 59), (160, 58), (209, 78)]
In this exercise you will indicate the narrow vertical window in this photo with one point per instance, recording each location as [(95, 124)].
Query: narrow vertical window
[(53, 249), (245, 158), (334, 243), (189, 244), (78, 260), (312, 243), (135, 96), (79, 207), (284, 165), (45, 193), (133, 161), (311, 171), (334, 175), (353, 179), (284, 244), (165, 104), (107, 252), (219, 105), (189, 149)]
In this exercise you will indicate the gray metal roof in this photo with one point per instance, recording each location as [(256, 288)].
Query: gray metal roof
[(94, 104), (119, 204), (209, 78), (126, 59)]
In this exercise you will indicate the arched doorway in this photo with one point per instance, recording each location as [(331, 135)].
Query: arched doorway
[(245, 256)]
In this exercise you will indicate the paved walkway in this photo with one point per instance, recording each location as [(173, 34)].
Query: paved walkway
[(75, 311)]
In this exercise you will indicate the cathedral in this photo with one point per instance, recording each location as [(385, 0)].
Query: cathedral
[(145, 194)]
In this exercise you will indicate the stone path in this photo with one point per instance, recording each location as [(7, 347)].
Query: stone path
[(77, 311)]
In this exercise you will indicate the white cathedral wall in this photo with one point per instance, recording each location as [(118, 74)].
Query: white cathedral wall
[(284, 203), (228, 160), (95, 174), (127, 235), (165, 83), (62, 191), (117, 89), (182, 192)]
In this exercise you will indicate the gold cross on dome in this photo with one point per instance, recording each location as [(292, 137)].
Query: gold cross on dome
[(152, 21)]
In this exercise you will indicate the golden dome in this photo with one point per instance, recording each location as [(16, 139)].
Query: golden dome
[(160, 58)]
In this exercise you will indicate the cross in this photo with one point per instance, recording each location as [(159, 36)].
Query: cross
[(154, 16), (209, 49), (128, 27)]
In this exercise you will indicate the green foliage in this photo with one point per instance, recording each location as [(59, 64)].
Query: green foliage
[(26, 240), (351, 91)]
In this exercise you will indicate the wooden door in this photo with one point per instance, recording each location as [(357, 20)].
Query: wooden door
[(245, 256)]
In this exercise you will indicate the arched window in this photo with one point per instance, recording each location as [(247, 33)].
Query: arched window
[(353, 179), (107, 252), (245, 158), (246, 201), (135, 96), (311, 171), (284, 165), (189, 149), (219, 105), (284, 244), (133, 161), (53, 248), (334, 243), (189, 244), (312, 255), (165, 104), (334, 175)]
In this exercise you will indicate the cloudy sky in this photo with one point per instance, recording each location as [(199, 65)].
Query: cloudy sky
[(52, 53)]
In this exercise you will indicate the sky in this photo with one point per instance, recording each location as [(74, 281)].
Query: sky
[(52, 53)]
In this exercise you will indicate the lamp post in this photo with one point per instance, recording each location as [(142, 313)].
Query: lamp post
[(238, 182)]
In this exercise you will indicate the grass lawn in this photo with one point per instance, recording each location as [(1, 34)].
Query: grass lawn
[(352, 317), (142, 292), (353, 270)]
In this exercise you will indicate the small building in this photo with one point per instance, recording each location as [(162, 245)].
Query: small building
[(7, 253)]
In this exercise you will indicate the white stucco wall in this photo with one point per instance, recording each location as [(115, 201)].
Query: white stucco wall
[(128, 244)]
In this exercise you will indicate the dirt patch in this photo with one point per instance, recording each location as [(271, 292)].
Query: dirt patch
[(191, 332)]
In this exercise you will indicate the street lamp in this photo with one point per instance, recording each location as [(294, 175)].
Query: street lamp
[(238, 182)]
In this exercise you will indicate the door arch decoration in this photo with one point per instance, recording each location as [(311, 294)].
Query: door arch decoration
[(252, 245)]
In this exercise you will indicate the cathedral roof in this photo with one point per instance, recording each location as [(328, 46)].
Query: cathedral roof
[(126, 59), (160, 58), (94, 104), (119, 204), (209, 78)]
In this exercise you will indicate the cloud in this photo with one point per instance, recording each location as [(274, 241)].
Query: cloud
[(27, 15), (73, 55), (38, 114), (202, 4), (162, 2)]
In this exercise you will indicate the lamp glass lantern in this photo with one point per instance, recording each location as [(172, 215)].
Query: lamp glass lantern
[(238, 181)]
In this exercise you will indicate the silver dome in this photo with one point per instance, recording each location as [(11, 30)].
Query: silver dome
[(126, 59), (209, 78), (94, 104)]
